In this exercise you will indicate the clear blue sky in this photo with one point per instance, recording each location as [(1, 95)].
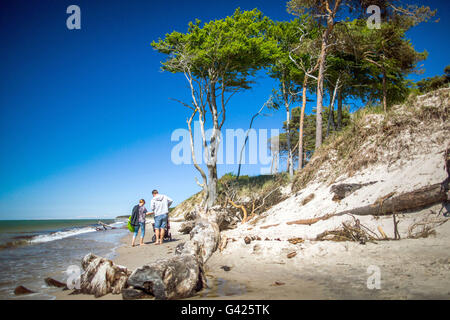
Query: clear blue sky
[(85, 115)]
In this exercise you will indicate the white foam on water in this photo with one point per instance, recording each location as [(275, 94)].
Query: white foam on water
[(118, 224), (69, 233), (61, 235)]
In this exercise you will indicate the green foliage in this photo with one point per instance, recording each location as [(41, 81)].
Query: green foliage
[(248, 183), (380, 54), (434, 83), (218, 59), (286, 35), (309, 130), (369, 63), (251, 187), (297, 44), (228, 50)]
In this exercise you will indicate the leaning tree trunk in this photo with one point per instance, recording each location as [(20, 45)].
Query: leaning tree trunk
[(212, 185), (319, 105), (246, 136), (339, 110), (330, 118), (302, 118), (290, 167), (384, 91), (213, 147), (290, 161), (331, 114), (331, 121), (320, 78)]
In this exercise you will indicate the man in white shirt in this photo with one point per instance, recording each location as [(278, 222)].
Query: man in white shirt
[(160, 207)]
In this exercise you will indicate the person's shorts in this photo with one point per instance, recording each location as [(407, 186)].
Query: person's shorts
[(161, 221)]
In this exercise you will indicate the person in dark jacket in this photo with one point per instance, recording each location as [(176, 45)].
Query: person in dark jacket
[(138, 221)]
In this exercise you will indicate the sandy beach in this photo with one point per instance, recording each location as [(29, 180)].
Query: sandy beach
[(271, 266), (410, 268), (234, 284)]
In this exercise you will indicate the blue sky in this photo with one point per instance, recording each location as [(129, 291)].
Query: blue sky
[(85, 115)]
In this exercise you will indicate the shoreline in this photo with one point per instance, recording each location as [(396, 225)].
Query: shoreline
[(51, 254)]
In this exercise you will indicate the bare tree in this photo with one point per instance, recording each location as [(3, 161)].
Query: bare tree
[(215, 61), (269, 104)]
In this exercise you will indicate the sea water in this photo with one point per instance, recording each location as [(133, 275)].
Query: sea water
[(31, 250)]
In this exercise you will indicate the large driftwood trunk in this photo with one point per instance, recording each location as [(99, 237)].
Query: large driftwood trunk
[(416, 199), (173, 278), (101, 276), (390, 204), (186, 227), (205, 237), (224, 218)]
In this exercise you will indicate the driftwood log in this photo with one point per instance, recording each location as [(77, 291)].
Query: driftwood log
[(390, 204), (101, 276), (309, 221), (186, 227), (204, 240), (417, 199), (174, 278), (192, 214)]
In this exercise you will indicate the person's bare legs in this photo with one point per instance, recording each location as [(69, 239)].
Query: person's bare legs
[(162, 236), (132, 242), (142, 234), (157, 236)]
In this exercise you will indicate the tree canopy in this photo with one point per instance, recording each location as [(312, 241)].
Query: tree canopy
[(327, 50), (218, 59), (434, 83)]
